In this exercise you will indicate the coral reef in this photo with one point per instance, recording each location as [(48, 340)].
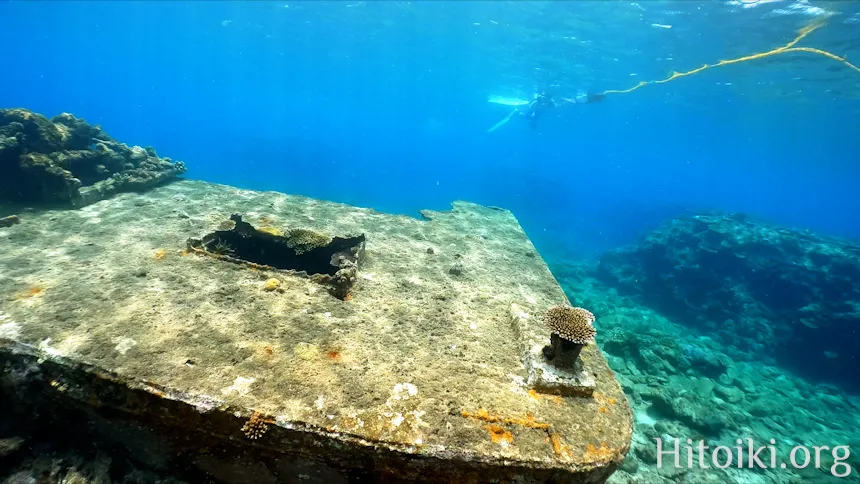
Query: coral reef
[(785, 294), (683, 383), (66, 161)]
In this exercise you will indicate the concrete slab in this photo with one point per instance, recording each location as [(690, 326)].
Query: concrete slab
[(428, 369)]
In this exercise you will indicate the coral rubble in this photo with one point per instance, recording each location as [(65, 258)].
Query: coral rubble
[(66, 161), (785, 294), (9, 221)]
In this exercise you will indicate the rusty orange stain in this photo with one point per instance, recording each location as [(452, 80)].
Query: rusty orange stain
[(602, 453), (498, 434), (160, 253), (31, 292), (482, 414), (556, 443), (529, 421), (601, 398), (558, 446), (552, 398), (265, 352), (604, 402)]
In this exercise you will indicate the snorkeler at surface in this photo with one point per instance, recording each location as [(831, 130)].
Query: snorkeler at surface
[(543, 102)]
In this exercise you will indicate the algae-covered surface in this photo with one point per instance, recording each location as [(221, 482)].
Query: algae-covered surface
[(421, 356)]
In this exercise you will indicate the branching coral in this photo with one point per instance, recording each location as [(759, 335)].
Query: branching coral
[(256, 426), (222, 248)]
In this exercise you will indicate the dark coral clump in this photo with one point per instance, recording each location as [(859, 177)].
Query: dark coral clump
[(66, 161), (784, 294), (326, 260)]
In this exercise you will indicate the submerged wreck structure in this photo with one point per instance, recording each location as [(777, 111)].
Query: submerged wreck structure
[(65, 161), (259, 337)]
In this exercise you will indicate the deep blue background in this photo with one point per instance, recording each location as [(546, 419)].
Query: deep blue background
[(385, 105)]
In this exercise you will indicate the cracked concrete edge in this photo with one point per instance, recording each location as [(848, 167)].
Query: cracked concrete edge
[(174, 418)]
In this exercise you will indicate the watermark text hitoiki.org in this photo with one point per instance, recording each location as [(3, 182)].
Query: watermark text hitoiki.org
[(747, 454)]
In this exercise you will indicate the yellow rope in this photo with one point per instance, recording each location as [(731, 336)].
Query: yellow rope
[(789, 47)]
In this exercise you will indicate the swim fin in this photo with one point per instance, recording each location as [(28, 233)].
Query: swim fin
[(503, 121)]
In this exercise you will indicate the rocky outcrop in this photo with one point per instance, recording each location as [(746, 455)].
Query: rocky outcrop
[(785, 293), (66, 161)]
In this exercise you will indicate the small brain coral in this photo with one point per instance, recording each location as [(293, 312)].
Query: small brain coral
[(573, 324), (303, 240)]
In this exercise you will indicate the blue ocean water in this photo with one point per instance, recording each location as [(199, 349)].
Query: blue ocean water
[(384, 104)]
